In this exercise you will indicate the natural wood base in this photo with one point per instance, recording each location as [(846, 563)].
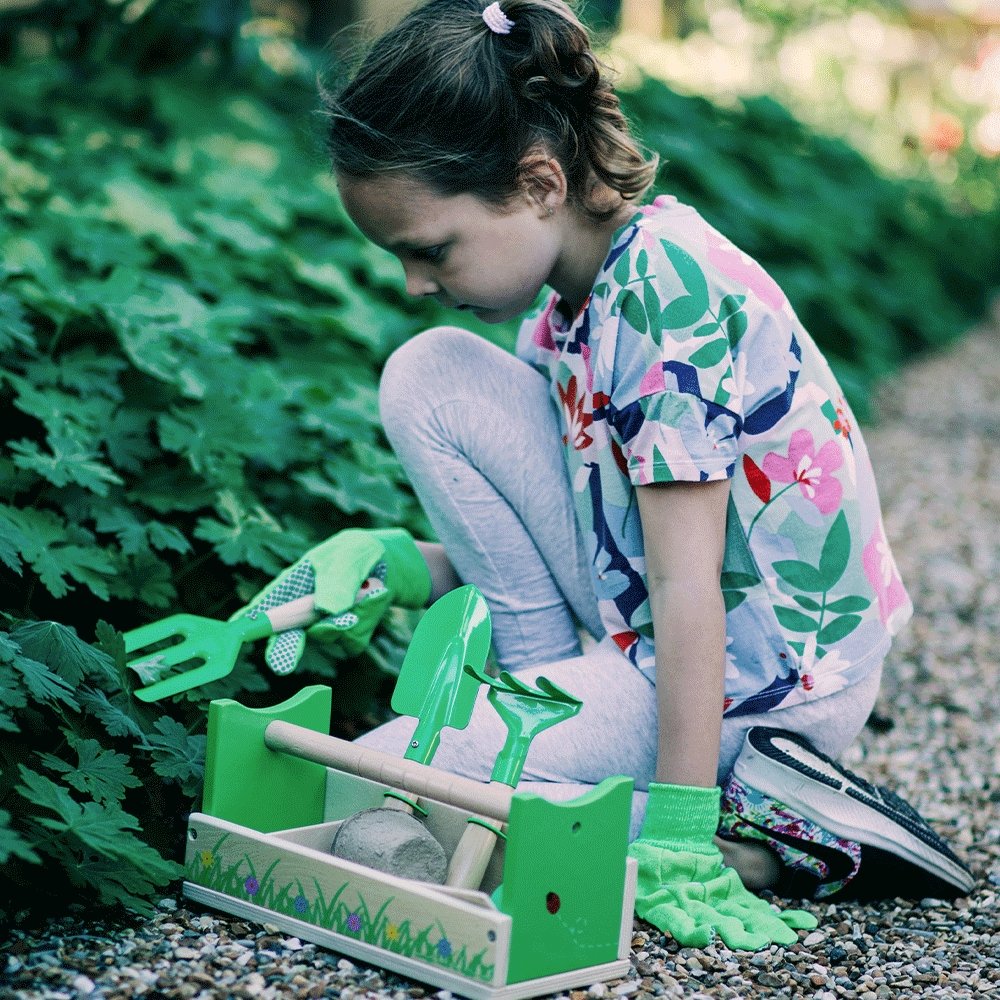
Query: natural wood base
[(419, 971)]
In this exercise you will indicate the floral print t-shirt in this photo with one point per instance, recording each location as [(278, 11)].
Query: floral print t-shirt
[(687, 362)]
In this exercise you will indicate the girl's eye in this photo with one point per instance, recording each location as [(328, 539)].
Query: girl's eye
[(432, 254)]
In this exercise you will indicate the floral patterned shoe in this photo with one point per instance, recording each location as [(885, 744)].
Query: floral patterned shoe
[(837, 835)]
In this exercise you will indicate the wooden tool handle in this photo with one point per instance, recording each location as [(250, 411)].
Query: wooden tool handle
[(491, 801), (294, 614), (471, 858)]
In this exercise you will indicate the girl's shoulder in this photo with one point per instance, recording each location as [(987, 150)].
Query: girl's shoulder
[(671, 241)]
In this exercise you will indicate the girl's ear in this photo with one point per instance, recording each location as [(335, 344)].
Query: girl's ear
[(542, 180)]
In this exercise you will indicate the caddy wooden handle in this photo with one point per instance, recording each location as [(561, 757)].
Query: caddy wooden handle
[(491, 801)]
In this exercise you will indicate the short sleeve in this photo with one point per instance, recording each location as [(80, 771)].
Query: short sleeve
[(674, 403)]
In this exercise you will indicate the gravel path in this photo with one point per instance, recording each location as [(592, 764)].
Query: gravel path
[(935, 737)]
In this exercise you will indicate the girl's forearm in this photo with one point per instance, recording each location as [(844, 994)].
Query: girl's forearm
[(443, 575), (690, 670)]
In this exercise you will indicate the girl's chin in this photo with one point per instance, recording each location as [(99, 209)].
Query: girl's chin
[(492, 314)]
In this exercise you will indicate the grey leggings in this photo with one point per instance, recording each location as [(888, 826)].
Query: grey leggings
[(479, 439)]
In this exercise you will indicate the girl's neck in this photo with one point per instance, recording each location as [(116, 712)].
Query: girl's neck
[(585, 248)]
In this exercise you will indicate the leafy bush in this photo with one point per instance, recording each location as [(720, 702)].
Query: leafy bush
[(191, 333)]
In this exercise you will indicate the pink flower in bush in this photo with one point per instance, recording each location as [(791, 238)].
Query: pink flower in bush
[(811, 469)]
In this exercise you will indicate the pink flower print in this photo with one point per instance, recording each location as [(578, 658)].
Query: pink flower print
[(812, 470), (542, 335), (652, 382), (585, 354), (880, 568), (577, 420), (736, 265)]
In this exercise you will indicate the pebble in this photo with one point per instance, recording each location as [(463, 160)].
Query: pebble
[(936, 454)]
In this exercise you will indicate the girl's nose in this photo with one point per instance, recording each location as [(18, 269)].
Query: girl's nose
[(419, 285)]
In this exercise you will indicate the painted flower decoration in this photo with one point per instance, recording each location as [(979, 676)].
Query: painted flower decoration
[(811, 469), (577, 420), (444, 948), (392, 932), (354, 923), (251, 885), (207, 859), (300, 903)]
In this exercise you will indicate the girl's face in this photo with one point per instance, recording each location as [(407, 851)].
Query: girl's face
[(459, 250)]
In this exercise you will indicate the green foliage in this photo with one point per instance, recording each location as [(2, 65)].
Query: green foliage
[(868, 262), (67, 771), (143, 35), (191, 335)]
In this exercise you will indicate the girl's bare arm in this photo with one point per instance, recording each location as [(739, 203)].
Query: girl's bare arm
[(684, 534)]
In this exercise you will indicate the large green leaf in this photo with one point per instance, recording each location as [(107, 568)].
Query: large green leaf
[(836, 552)]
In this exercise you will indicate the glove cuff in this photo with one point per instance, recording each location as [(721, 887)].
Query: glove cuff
[(408, 577), (681, 815)]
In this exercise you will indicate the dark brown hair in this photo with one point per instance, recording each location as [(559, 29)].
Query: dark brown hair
[(444, 99)]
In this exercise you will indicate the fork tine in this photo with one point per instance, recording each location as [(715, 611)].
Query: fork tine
[(159, 631)]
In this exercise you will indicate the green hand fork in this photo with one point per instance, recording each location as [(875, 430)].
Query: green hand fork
[(211, 645), (526, 711)]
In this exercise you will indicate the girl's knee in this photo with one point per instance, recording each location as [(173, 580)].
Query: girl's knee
[(412, 370)]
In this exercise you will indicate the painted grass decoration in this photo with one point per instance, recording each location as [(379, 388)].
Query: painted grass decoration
[(240, 879)]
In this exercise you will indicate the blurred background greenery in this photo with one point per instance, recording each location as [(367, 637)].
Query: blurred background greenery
[(191, 330)]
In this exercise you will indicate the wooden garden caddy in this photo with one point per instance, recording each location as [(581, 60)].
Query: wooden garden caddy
[(553, 909)]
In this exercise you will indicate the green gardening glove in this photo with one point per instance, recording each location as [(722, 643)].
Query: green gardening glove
[(684, 888), (354, 576)]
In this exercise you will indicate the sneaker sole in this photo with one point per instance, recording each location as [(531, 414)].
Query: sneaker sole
[(817, 790)]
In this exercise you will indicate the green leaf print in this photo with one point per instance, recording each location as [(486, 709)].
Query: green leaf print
[(652, 303), (642, 263), (661, 467), (710, 354), (736, 326), (705, 330), (623, 270), (740, 569), (796, 620), (731, 305), (688, 271), (733, 586), (836, 551), (838, 628), (634, 312), (683, 312), (687, 309), (800, 575), (807, 602), (733, 599), (848, 604)]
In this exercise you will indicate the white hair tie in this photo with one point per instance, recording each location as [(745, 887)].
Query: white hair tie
[(496, 20)]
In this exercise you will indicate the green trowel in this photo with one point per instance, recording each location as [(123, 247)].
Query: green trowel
[(438, 683)]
